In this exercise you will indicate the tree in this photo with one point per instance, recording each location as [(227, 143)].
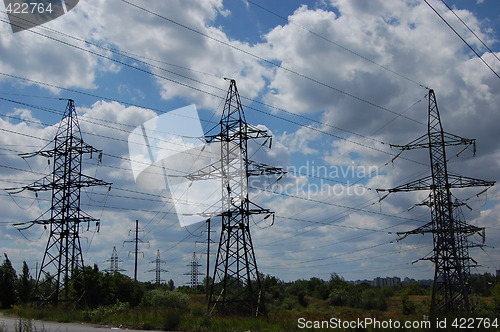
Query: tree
[(25, 285), (407, 305), (496, 298), (8, 280)]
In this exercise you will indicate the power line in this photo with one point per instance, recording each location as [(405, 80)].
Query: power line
[(213, 95), (270, 106), (337, 44), (466, 43), (247, 106), (316, 201), (465, 24), (151, 73), (114, 138), (265, 60)]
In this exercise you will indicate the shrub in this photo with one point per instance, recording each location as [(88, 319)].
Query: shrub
[(103, 312), (165, 298), (408, 306), (373, 299)]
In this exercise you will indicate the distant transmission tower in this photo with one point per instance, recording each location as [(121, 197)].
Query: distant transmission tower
[(62, 263), (158, 270), (236, 284), (450, 293), (114, 260), (194, 272)]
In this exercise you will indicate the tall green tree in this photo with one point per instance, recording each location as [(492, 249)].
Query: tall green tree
[(25, 284), (8, 280)]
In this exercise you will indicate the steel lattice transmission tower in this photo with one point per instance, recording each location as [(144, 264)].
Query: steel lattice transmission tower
[(158, 270), (235, 284), (450, 232), (194, 272), (113, 263), (62, 263)]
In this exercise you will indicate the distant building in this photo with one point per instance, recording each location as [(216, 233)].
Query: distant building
[(498, 273), (407, 280), (388, 281), (394, 281)]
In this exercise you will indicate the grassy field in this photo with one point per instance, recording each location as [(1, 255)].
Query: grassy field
[(191, 316)]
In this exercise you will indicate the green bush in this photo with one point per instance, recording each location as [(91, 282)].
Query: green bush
[(102, 313), (407, 305), (164, 298), (372, 298)]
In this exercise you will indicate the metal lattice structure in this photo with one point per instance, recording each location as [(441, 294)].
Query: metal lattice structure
[(194, 272), (114, 263), (62, 265), (235, 287), (236, 284), (450, 293), (158, 270)]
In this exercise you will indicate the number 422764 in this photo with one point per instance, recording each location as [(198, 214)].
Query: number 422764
[(29, 8)]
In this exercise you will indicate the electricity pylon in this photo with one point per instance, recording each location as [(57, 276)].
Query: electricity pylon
[(158, 270), (236, 287), (194, 272), (62, 263), (450, 255), (113, 263)]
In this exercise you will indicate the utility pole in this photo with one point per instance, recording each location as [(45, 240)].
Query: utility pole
[(62, 263), (158, 270), (114, 260), (207, 253), (194, 272), (450, 293), (136, 251)]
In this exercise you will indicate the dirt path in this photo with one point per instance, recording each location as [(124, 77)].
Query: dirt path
[(9, 324)]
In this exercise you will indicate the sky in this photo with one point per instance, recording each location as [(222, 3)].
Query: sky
[(336, 82)]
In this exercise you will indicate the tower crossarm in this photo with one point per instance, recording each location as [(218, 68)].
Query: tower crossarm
[(458, 181), (420, 143), (45, 184), (424, 183), (208, 172), (244, 130), (88, 181), (78, 146), (454, 181), (256, 168), (427, 228), (448, 140)]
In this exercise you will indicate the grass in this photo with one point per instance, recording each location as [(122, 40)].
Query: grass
[(47, 314), (26, 325), (193, 317), (23, 325)]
